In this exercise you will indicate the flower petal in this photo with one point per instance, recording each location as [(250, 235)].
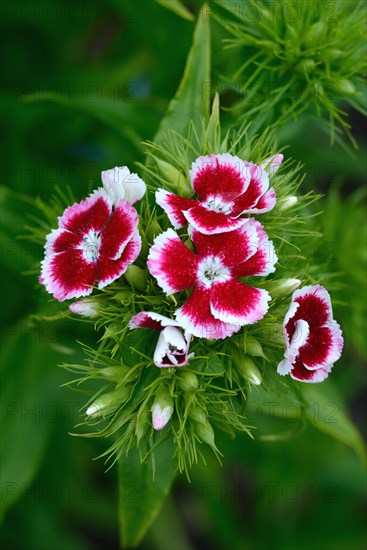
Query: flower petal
[(90, 214), (68, 275), (232, 248), (263, 261), (110, 270), (174, 205), (210, 222), (223, 175), (60, 240), (195, 316), (272, 164), (265, 203), (324, 346), (299, 338), (259, 184), (171, 349), (172, 263), (314, 305), (150, 319), (300, 373), (119, 230), (236, 302)]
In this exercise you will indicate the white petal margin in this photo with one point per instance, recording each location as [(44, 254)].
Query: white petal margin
[(272, 164), (299, 339), (155, 257), (284, 367), (289, 315), (224, 159), (120, 183), (161, 198), (318, 375)]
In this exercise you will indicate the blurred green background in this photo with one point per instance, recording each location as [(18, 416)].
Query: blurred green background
[(83, 84)]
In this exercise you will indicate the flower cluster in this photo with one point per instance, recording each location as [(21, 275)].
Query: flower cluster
[(208, 264)]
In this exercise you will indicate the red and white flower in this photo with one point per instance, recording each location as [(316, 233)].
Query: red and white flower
[(227, 187), (313, 339), (219, 304), (172, 346), (120, 183), (94, 242)]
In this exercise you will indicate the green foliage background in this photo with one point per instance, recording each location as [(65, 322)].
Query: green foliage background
[(84, 83)]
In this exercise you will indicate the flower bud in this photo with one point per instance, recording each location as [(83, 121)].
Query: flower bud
[(153, 229), (86, 308), (175, 179), (284, 287), (136, 277), (253, 347), (314, 34), (162, 409), (187, 381), (109, 402), (306, 66), (112, 374), (197, 414), (250, 371), (346, 87), (206, 433), (119, 183), (287, 203)]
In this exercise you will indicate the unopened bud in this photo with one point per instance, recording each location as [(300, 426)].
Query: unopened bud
[(187, 381), (250, 371), (283, 287), (136, 277), (314, 34), (152, 231), (162, 409), (197, 414), (287, 203), (206, 433), (253, 347), (109, 402), (175, 179), (346, 87), (86, 308)]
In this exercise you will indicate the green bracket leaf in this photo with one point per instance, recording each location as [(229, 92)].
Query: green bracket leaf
[(178, 8), (142, 491), (192, 99), (325, 412)]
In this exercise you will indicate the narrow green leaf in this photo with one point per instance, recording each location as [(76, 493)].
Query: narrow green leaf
[(28, 395), (142, 491), (325, 412), (178, 8), (192, 99), (128, 119)]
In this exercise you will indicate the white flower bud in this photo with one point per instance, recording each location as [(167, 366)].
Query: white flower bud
[(287, 203), (284, 287), (120, 183), (86, 308), (162, 410)]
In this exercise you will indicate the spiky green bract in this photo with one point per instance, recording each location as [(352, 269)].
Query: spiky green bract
[(210, 393), (298, 57)]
